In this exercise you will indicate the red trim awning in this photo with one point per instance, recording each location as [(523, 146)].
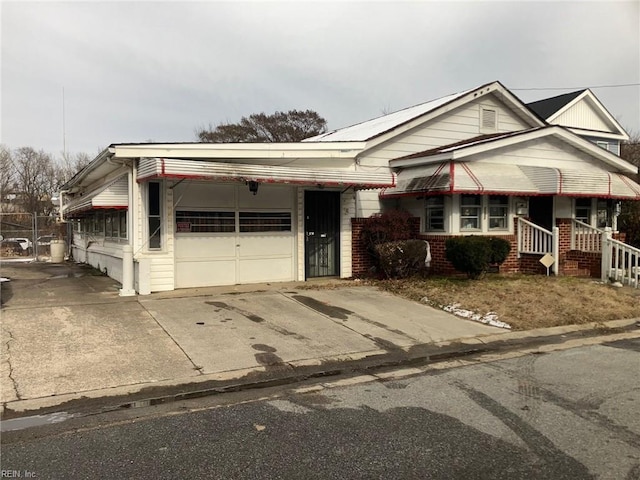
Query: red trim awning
[(150, 168), (506, 179)]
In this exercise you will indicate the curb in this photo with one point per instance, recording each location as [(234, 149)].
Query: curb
[(360, 366)]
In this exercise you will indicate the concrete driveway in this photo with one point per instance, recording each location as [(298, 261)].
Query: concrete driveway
[(67, 334)]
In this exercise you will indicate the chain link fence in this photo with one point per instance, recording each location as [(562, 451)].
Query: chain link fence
[(29, 236)]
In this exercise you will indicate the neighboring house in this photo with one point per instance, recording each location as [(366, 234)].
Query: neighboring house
[(165, 216), (583, 114)]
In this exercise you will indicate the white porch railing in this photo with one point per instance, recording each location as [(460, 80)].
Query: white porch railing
[(585, 237), (534, 239), (620, 262)]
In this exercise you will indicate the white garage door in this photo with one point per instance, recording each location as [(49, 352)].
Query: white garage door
[(224, 235)]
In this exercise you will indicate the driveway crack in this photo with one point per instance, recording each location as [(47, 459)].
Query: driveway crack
[(14, 383), (196, 367)]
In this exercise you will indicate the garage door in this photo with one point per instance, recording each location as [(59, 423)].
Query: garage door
[(224, 235)]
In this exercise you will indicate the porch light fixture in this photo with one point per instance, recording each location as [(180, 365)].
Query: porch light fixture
[(253, 187)]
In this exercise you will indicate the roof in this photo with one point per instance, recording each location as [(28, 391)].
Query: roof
[(363, 131), (483, 144), (384, 127), (546, 107)]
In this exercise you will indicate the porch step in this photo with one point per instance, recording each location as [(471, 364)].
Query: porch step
[(571, 268)]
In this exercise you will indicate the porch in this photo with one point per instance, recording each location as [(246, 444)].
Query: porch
[(581, 250)]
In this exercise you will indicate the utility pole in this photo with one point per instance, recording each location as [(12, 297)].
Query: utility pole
[(64, 133)]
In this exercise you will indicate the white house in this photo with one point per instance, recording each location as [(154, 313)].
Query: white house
[(165, 216)]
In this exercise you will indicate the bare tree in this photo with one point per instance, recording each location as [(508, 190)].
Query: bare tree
[(6, 177), (35, 179), (629, 220), (70, 165), (291, 126)]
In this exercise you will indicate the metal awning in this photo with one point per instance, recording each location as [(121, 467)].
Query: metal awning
[(114, 194), (150, 168), (505, 179)]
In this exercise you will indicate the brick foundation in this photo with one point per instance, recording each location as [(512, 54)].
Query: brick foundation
[(572, 262)]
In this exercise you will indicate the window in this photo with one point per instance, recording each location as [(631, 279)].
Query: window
[(604, 213), (498, 212), (205, 222), (265, 222), (98, 224), (435, 214), (604, 145), (470, 211), (155, 222), (123, 224), (583, 210)]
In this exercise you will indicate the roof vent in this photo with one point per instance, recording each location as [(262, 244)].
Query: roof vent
[(489, 120)]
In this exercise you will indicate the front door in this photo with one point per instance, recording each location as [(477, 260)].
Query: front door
[(322, 233), (541, 211)]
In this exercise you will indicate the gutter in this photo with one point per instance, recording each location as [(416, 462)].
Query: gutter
[(70, 186)]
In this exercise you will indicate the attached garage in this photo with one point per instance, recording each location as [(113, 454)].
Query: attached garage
[(225, 235)]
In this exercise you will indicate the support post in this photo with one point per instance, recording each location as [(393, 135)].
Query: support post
[(127, 289), (555, 238), (605, 266)]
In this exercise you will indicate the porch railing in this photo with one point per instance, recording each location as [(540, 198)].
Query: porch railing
[(585, 237), (620, 262), (537, 240)]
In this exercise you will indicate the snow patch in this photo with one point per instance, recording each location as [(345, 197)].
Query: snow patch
[(490, 318)]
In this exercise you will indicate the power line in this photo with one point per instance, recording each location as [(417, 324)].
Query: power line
[(581, 88)]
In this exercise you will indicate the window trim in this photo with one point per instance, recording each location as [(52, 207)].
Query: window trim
[(151, 216), (427, 217), (479, 207), (453, 216), (506, 208)]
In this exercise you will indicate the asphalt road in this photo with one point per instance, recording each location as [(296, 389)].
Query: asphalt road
[(570, 414)]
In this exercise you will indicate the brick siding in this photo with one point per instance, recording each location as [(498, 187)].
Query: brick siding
[(572, 262)]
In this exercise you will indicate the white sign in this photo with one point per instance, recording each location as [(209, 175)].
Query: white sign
[(547, 260)]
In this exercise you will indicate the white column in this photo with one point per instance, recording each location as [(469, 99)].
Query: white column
[(127, 289), (605, 249), (556, 249)]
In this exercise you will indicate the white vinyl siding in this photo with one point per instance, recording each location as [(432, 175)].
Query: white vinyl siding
[(545, 152), (347, 211), (459, 124), (584, 115)]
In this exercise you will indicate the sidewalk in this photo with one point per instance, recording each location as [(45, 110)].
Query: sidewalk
[(69, 340)]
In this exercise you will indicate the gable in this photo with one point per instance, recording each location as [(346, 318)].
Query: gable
[(466, 121), (580, 111), (584, 114)]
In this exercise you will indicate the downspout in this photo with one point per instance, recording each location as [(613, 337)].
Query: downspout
[(61, 204)]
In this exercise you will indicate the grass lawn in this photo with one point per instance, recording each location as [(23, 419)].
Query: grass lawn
[(525, 301)]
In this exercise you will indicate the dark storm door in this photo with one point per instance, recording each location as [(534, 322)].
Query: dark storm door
[(541, 211), (322, 233)]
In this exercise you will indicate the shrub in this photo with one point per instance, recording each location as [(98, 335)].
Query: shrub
[(402, 258), (473, 255), (390, 226), (500, 249), (469, 255)]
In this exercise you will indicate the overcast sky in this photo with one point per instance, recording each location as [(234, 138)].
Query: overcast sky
[(147, 71)]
